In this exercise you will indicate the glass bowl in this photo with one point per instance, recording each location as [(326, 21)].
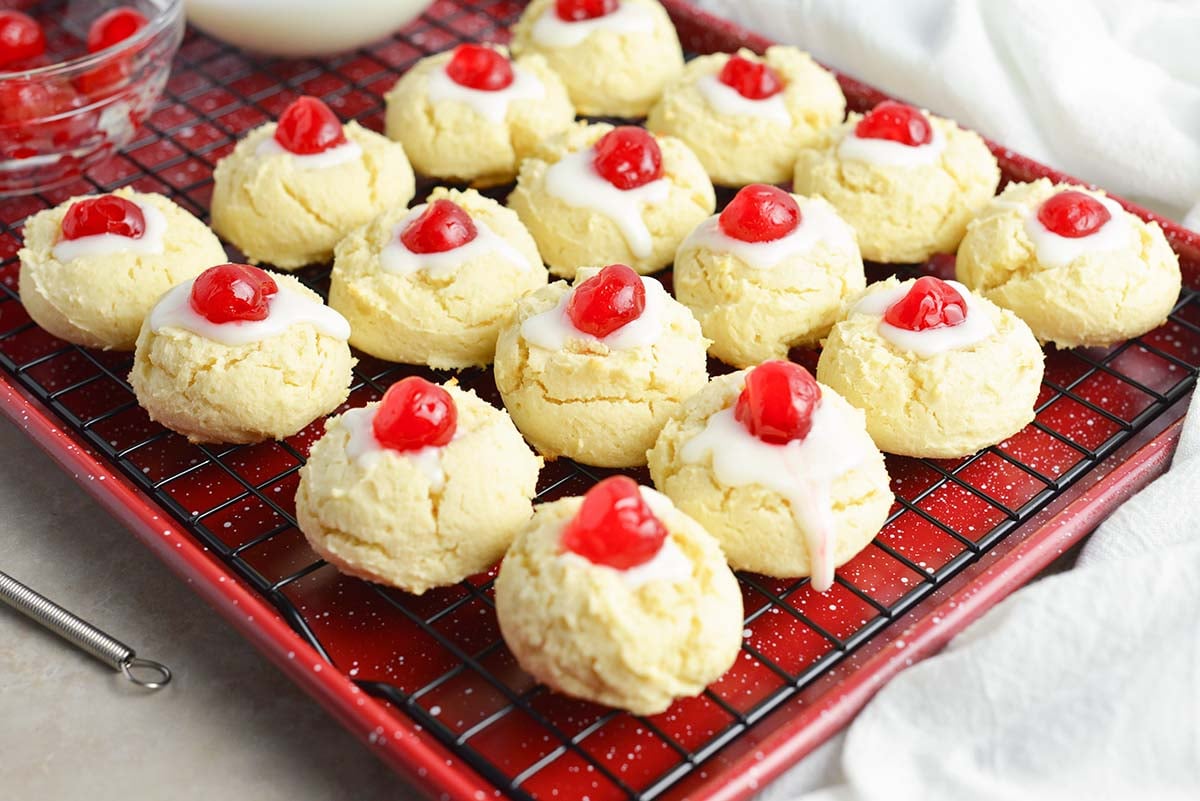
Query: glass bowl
[(58, 120)]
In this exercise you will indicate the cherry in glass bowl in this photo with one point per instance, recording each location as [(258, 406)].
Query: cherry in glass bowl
[(69, 109)]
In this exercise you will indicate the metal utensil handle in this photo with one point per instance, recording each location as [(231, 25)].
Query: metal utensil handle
[(77, 631)]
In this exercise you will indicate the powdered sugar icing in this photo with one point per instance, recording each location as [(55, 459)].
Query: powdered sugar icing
[(818, 223), (338, 154), (574, 179), (365, 450), (552, 31), (552, 328), (149, 243), (888, 153), (395, 257), (726, 100), (491, 105), (286, 308), (976, 327), (801, 471)]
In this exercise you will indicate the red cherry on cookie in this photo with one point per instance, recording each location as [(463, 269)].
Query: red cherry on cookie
[(479, 67), (628, 157), (415, 414), (615, 526), (112, 27), (897, 122), (760, 213), (107, 214), (753, 80), (230, 293), (1073, 214), (442, 226), (579, 10), (778, 402), (606, 301), (21, 38), (307, 126), (930, 303)]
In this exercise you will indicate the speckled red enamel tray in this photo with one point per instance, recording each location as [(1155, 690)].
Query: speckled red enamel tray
[(427, 681)]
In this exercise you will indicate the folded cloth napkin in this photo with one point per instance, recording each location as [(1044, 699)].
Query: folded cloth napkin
[(1085, 684), (1107, 90)]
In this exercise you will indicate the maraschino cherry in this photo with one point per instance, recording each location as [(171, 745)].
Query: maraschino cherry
[(479, 67), (114, 26), (752, 80), (307, 126), (608, 300), (580, 10), (760, 213), (442, 226), (232, 293), (21, 38), (628, 157), (1073, 214), (615, 526), (106, 214), (415, 414), (896, 122), (778, 402), (930, 303)]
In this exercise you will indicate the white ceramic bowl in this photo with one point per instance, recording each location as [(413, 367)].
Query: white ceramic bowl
[(299, 28)]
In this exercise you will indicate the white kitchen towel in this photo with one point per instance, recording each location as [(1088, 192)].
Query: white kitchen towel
[(1107, 90), (1086, 684)]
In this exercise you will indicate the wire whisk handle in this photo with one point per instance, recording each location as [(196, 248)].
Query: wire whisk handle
[(77, 631)]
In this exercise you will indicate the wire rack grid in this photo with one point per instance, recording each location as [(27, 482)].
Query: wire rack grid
[(439, 657)]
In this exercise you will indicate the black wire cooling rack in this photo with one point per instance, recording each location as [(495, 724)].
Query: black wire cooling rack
[(439, 657)]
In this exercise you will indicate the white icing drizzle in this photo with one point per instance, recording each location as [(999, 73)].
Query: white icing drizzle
[(491, 105), (339, 154), (727, 100), (551, 31), (1058, 251), (365, 450), (552, 328), (818, 223), (976, 327), (802, 471), (150, 242), (286, 308), (395, 257), (888, 153), (670, 564), (574, 179)]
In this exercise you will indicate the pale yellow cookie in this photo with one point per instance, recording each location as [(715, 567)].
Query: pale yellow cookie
[(590, 402), (754, 308), (1094, 297), (448, 312), (741, 141), (478, 140), (902, 213), (945, 405), (570, 235), (268, 388), (587, 631), (100, 300), (276, 211), (758, 528), (418, 522), (614, 66)]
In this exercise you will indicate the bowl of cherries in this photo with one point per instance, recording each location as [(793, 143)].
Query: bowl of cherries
[(77, 77)]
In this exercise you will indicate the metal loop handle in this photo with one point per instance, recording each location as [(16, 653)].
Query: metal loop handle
[(77, 631)]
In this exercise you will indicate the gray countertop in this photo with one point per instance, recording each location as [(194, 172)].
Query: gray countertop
[(229, 724)]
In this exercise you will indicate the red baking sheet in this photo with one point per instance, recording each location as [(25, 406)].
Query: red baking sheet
[(426, 681)]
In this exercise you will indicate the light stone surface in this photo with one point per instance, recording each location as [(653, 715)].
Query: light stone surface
[(229, 725)]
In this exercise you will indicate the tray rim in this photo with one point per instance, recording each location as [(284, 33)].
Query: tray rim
[(435, 771)]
